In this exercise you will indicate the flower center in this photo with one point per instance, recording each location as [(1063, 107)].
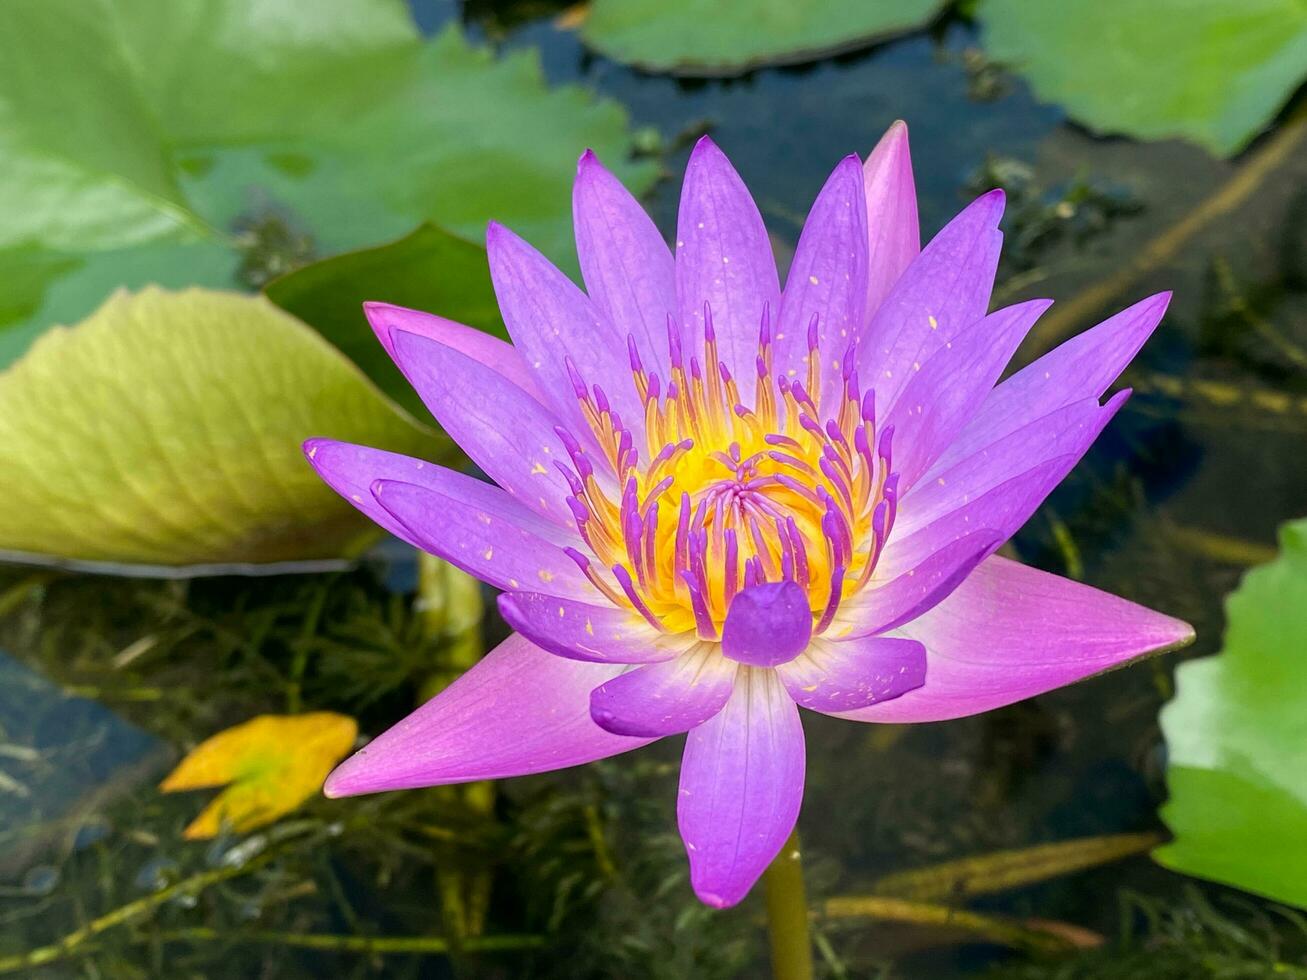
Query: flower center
[(726, 496)]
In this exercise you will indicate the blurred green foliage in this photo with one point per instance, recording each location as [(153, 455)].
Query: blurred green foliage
[(150, 140)]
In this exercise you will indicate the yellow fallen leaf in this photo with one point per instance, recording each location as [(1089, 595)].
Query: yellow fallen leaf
[(269, 764)]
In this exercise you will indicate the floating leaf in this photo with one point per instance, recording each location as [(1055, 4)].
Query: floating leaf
[(270, 765), (705, 37), (427, 270), (166, 429), (1236, 735), (1212, 72), (183, 124)]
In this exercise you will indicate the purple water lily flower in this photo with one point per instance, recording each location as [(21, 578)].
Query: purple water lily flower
[(719, 501)]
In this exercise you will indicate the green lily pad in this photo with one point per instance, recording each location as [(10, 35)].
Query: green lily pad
[(427, 270), (177, 125), (706, 37), (166, 428), (1212, 72), (1237, 740)]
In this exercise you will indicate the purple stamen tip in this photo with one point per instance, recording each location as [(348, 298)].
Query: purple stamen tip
[(886, 437), (569, 442), (869, 406), (576, 486), (579, 510), (633, 353), (812, 333), (581, 560), (709, 333), (674, 341), (578, 384)]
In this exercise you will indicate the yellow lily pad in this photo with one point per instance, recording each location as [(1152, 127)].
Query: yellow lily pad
[(269, 764)]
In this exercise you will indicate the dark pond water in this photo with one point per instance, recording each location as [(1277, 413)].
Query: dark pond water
[(1178, 497)]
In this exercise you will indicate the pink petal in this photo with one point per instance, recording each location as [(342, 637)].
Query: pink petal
[(767, 624), (666, 698), (506, 432), (828, 279), (908, 593), (1068, 431), (628, 268), (741, 788), (585, 631), (943, 291), (841, 675), (1002, 509), (494, 353), (893, 231), (723, 259), (1010, 632), (520, 710), (351, 471), (945, 391), (1083, 367), (552, 321), (493, 549)]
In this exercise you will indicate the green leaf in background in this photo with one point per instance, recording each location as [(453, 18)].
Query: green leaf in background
[(166, 430), (1236, 735), (1211, 71), (707, 37), (428, 270), (133, 131)]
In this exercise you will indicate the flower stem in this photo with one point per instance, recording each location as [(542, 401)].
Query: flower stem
[(787, 914)]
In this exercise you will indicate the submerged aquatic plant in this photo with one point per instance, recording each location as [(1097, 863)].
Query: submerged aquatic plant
[(719, 501)]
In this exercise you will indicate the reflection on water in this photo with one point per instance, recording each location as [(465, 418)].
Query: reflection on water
[(1163, 510)]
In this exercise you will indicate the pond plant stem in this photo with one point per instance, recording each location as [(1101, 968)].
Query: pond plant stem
[(787, 914), (79, 941)]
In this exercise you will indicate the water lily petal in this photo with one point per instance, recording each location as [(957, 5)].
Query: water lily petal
[(741, 787), (723, 259), (910, 592), (827, 280), (945, 391), (1069, 430), (481, 543), (552, 322), (519, 710), (893, 229), (1083, 367), (628, 268), (1010, 632), (945, 289), (767, 624), (666, 698), (1003, 509), (585, 631), (351, 471), (506, 432), (501, 357), (841, 675)]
